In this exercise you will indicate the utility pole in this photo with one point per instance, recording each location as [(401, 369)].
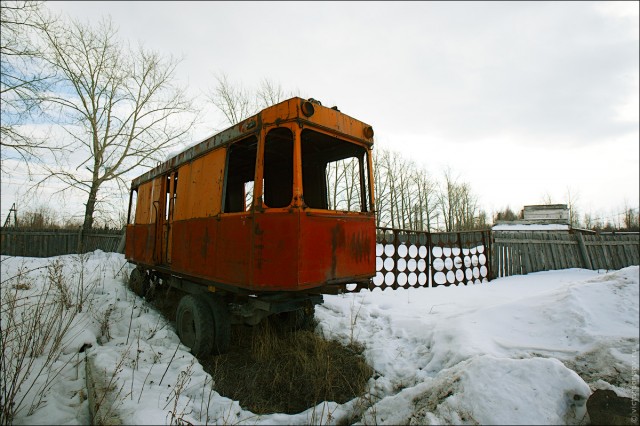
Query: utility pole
[(15, 216)]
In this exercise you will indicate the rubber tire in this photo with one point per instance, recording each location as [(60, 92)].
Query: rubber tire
[(139, 282), (195, 325), (221, 324)]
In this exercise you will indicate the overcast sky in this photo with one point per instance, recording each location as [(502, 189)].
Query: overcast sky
[(520, 99)]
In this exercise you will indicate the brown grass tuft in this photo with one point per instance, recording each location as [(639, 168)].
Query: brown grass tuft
[(273, 371)]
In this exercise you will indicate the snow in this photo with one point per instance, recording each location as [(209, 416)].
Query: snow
[(517, 350)]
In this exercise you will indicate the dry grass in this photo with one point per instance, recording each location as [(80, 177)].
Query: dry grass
[(272, 371), (34, 328)]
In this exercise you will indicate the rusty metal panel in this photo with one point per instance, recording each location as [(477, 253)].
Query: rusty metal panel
[(145, 205), (139, 243), (129, 242), (323, 117), (326, 118), (335, 248), (283, 250), (342, 123), (282, 112), (244, 128), (275, 251), (407, 258), (200, 186), (185, 193), (194, 247), (233, 249)]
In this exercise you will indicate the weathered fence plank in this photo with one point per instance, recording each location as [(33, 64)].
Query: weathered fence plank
[(56, 242), (525, 252)]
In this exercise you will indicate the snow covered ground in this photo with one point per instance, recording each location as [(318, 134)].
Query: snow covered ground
[(518, 350)]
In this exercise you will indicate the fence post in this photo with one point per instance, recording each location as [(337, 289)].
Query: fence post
[(395, 257), (79, 250), (430, 257), (586, 261)]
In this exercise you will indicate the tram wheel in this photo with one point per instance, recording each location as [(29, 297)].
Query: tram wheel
[(139, 282), (195, 325), (221, 324)]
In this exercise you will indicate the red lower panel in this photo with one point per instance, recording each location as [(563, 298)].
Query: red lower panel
[(233, 250), (270, 251), (194, 246), (335, 248), (139, 246), (275, 251)]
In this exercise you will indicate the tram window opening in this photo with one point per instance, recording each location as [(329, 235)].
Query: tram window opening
[(278, 168), (334, 173), (173, 196), (167, 198), (240, 174), (133, 203), (248, 194)]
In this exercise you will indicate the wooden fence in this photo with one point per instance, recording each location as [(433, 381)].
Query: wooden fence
[(406, 258), (519, 253), (509, 252), (56, 242)]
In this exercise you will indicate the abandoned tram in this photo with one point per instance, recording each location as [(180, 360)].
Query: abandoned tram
[(259, 219)]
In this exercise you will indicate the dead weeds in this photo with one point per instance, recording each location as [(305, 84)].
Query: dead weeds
[(273, 371)]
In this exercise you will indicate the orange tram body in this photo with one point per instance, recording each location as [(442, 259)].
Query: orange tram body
[(259, 219)]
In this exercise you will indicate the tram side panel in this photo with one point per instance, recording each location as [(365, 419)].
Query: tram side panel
[(196, 221), (141, 235)]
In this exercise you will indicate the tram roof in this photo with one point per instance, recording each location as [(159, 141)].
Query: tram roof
[(306, 112)]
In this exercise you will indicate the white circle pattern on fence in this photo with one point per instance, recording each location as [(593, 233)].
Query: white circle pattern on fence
[(408, 259)]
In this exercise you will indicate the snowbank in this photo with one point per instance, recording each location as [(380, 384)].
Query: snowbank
[(518, 350)]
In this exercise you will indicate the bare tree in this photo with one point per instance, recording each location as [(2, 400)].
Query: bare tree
[(237, 103), (391, 166), (631, 218), (404, 192), (118, 106), (572, 200), (459, 206), (405, 169), (506, 215), (22, 80), (588, 221), (448, 200), (269, 93), (381, 186), (547, 200), (468, 212), (234, 102), (425, 205), (335, 176), (40, 217)]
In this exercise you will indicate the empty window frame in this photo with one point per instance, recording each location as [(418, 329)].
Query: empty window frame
[(171, 195), (133, 203), (240, 174), (278, 168), (334, 173)]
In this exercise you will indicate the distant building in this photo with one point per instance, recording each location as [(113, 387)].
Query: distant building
[(550, 217), (552, 213)]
